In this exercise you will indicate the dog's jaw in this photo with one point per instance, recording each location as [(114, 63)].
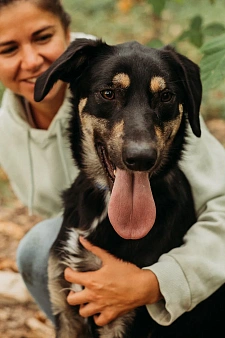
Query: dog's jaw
[(108, 166)]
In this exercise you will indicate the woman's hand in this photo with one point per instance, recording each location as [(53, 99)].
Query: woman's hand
[(116, 288)]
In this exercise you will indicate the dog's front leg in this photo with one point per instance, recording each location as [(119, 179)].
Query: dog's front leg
[(70, 325)]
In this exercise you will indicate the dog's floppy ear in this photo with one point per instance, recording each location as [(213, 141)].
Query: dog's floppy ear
[(68, 66), (189, 73)]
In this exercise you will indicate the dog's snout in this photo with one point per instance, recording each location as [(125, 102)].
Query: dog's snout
[(139, 156)]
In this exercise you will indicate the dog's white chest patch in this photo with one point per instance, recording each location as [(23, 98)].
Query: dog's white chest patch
[(77, 257)]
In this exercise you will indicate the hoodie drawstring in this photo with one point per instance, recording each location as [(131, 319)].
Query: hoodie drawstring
[(62, 153), (31, 190), (61, 147)]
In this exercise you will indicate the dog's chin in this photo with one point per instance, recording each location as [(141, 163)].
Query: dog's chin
[(108, 166)]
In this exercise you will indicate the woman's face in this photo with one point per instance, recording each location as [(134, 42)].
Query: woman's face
[(30, 40)]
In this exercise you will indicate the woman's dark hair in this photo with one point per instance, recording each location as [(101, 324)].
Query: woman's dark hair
[(53, 6)]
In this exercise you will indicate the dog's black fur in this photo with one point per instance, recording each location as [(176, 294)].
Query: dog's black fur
[(157, 93)]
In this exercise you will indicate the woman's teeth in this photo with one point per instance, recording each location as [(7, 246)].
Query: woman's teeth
[(33, 80)]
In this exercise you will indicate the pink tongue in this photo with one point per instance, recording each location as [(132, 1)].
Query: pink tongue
[(131, 210)]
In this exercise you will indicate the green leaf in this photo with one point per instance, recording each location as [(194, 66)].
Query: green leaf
[(213, 62), (158, 6), (155, 43), (214, 29), (214, 45), (183, 36), (196, 38), (194, 34), (196, 23)]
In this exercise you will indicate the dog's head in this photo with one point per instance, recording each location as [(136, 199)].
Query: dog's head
[(130, 100), (130, 106)]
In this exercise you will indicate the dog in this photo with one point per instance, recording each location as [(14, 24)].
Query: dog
[(131, 107)]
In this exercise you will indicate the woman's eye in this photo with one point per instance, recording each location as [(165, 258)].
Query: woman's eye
[(8, 50), (108, 94), (44, 38), (166, 96)]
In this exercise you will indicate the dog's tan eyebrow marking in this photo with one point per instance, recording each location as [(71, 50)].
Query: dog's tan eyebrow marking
[(157, 84), (82, 104), (181, 108), (121, 80)]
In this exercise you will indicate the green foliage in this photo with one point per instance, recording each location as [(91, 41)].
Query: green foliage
[(194, 32), (213, 62), (214, 29), (90, 7), (157, 5), (195, 27), (197, 33), (208, 39)]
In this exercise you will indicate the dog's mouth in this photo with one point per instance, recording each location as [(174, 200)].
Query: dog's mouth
[(108, 166), (131, 208)]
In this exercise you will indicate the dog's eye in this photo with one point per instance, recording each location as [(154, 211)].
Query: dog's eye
[(166, 96), (108, 94)]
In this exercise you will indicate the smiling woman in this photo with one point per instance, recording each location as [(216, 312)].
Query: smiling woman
[(27, 52), (34, 33)]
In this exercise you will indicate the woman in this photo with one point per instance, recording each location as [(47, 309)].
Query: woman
[(35, 155)]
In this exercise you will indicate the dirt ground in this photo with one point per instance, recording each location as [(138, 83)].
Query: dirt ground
[(22, 319), (25, 320)]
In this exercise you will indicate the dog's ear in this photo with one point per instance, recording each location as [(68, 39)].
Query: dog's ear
[(67, 67), (189, 73)]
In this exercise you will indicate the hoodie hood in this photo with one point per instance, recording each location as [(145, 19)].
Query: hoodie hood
[(14, 105), (37, 153)]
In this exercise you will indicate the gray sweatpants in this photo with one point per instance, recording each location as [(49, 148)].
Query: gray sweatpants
[(32, 260)]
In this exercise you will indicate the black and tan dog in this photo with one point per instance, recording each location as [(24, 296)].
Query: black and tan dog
[(131, 106)]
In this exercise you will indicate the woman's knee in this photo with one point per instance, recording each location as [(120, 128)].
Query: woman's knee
[(33, 250)]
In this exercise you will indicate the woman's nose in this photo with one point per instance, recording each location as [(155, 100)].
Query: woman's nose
[(31, 59)]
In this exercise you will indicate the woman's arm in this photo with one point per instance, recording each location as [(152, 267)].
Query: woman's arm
[(189, 274)]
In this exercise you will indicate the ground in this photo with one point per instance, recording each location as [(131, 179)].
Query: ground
[(18, 319), (24, 319)]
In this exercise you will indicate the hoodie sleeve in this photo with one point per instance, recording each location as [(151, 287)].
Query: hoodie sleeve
[(189, 274)]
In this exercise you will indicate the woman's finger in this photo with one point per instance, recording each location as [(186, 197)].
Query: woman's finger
[(76, 277), (103, 318), (89, 309), (77, 298)]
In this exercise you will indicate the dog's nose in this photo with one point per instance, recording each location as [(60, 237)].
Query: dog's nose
[(139, 156)]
